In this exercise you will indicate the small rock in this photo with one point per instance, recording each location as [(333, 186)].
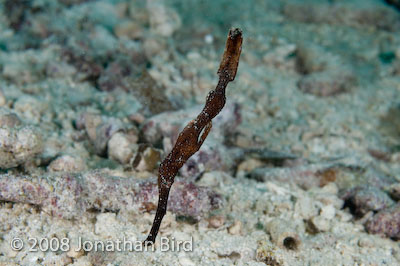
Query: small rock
[(386, 222), (104, 132), (330, 188), (394, 191), (67, 163), (216, 221), (8, 119), (327, 176), (31, 108), (89, 122), (344, 216), (18, 145), (147, 159), (122, 147), (305, 206), (235, 228), (99, 129), (363, 199), (379, 155), (322, 224), (209, 158), (249, 165), (328, 212), (366, 242)]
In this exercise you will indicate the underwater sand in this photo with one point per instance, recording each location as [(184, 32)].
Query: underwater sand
[(304, 159)]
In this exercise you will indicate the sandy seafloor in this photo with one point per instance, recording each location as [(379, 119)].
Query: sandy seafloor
[(307, 160)]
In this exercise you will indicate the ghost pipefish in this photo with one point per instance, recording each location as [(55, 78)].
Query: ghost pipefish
[(194, 134)]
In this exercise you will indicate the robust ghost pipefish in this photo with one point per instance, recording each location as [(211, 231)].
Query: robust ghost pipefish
[(194, 134)]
